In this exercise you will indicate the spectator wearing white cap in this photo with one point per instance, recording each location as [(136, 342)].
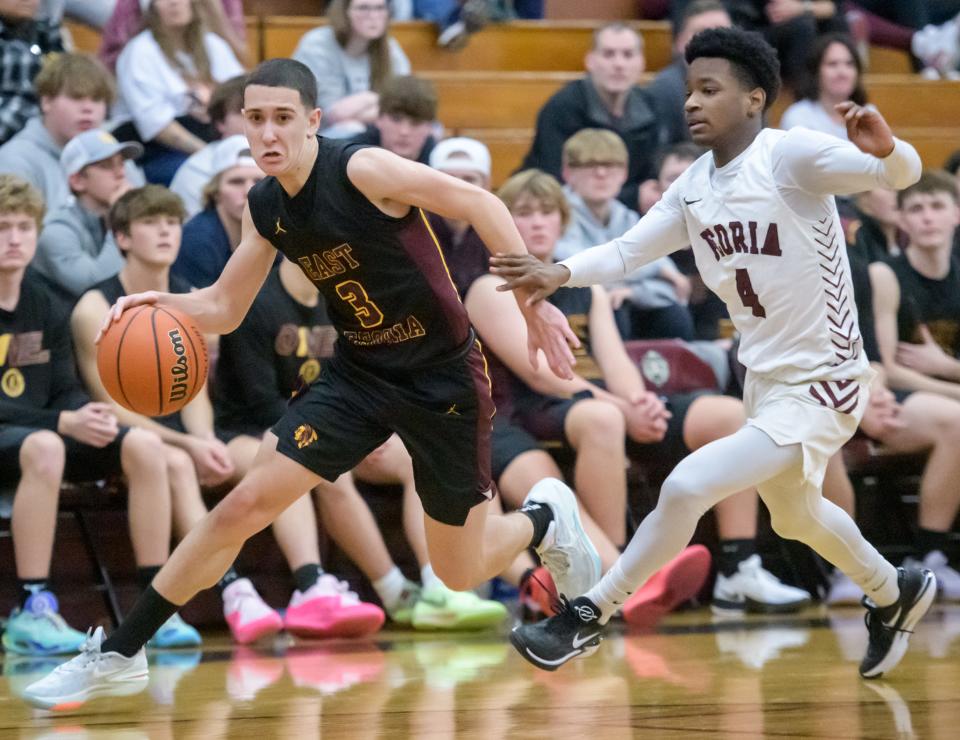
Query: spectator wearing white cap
[(76, 249), (166, 75), (468, 160), (193, 175), (210, 237)]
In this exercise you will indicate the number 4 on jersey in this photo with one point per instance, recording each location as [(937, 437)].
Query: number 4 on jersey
[(747, 295)]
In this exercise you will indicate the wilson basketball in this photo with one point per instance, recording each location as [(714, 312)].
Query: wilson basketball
[(153, 360)]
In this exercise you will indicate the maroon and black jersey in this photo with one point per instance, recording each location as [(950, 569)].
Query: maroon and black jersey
[(387, 289)]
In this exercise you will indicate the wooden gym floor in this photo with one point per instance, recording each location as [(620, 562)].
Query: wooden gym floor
[(789, 677)]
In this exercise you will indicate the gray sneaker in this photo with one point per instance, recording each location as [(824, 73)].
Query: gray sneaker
[(88, 675), (565, 549)]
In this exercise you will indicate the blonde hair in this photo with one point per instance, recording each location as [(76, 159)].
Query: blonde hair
[(538, 186), (594, 145), (381, 68), (19, 196), (193, 38)]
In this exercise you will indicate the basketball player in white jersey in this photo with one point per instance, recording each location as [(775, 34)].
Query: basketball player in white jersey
[(760, 214)]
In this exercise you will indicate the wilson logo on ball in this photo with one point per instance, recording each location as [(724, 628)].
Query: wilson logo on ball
[(179, 369)]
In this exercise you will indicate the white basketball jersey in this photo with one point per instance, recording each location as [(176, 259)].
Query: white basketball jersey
[(785, 278)]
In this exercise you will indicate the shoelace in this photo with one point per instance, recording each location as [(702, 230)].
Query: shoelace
[(89, 653)]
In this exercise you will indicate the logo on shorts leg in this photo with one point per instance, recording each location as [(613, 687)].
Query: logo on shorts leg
[(304, 435)]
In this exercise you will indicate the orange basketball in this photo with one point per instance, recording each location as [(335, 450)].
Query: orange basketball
[(153, 360)]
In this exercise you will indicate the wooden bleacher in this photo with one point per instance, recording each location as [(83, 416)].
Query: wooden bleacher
[(493, 89)]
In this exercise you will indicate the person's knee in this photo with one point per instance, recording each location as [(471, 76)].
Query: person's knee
[(43, 455), (142, 452), (683, 495), (243, 512), (597, 421), (180, 465), (455, 576), (788, 518)]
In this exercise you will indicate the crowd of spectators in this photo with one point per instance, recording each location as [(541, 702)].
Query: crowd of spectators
[(88, 148)]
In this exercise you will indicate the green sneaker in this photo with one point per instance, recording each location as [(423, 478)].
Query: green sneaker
[(38, 629), (439, 608), (402, 612)]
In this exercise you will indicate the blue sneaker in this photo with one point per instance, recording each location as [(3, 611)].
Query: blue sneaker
[(175, 633), (38, 629)]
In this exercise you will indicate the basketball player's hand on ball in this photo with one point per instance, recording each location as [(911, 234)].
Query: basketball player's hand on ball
[(526, 273), (122, 304), (93, 424), (866, 128)]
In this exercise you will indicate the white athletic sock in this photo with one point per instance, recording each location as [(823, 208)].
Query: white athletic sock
[(428, 578), (611, 592), (389, 587)]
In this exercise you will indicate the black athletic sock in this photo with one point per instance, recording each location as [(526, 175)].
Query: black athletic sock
[(146, 574), (30, 586), (306, 576), (734, 552), (146, 617), (540, 516), (928, 541), (229, 577)]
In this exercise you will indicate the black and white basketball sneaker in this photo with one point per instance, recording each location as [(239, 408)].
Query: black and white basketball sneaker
[(890, 627), (574, 631)]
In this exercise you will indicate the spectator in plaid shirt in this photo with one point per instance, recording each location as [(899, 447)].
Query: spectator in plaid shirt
[(23, 43)]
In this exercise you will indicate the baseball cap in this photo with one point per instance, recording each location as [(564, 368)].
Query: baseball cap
[(92, 146), (461, 153), (234, 151)]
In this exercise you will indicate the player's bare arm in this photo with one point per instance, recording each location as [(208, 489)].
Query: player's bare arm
[(393, 183), (220, 308)]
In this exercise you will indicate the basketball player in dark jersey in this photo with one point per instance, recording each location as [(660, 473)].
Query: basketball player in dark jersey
[(406, 362)]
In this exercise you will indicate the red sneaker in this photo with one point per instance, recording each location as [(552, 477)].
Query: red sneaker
[(330, 609), (247, 614), (678, 581), (538, 594)]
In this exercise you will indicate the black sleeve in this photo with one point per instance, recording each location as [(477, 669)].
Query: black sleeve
[(546, 152), (254, 370), (863, 297), (66, 388)]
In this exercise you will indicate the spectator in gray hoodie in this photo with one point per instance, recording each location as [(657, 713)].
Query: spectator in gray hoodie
[(650, 304), (76, 249), (75, 93)]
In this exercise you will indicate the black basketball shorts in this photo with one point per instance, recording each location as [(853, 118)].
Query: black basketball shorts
[(442, 413)]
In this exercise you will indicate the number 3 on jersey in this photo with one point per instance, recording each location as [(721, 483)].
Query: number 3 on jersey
[(747, 295), (365, 310)]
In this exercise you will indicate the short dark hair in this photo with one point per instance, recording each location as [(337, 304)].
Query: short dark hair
[(683, 150), (695, 8), (227, 97), (753, 60), (286, 73), (409, 96), (953, 163), (150, 200), (809, 88), (930, 182)]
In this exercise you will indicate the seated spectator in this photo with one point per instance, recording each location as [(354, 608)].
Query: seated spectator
[(75, 92), (609, 97), (408, 113), (147, 225), (222, 17), (166, 75), (24, 41), (352, 59), (834, 75), (876, 232), (226, 104), (905, 423), (658, 434), (76, 248), (916, 296), (210, 237), (279, 346), (669, 88), (50, 431), (651, 303)]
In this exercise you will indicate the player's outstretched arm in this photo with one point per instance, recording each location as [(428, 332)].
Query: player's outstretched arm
[(389, 182), (220, 308)]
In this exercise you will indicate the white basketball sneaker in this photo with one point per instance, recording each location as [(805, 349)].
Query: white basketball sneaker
[(755, 589), (88, 675), (565, 549)]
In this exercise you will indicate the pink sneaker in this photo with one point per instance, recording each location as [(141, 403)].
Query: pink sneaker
[(247, 614), (330, 609), (678, 581)]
